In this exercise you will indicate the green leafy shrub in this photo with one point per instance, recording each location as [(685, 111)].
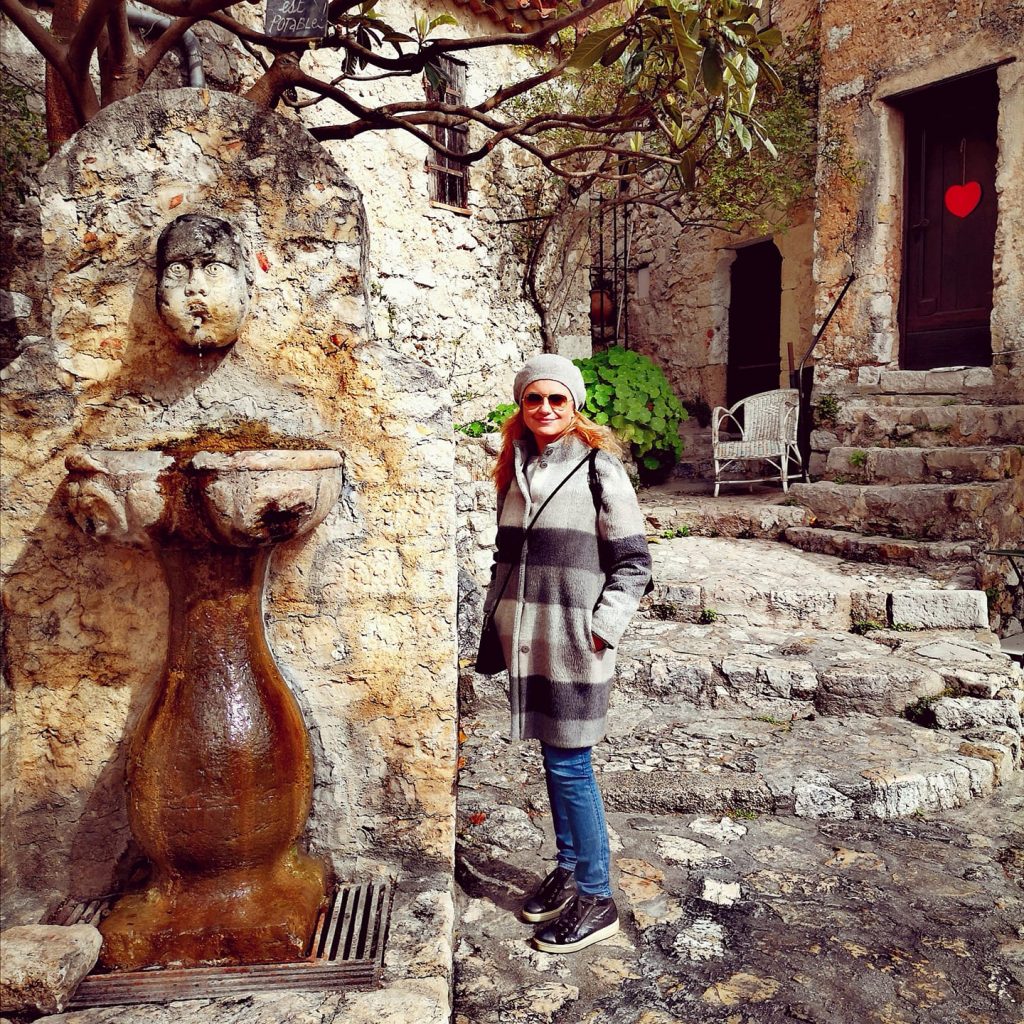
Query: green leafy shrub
[(632, 395), (490, 424), (858, 459), (676, 531)]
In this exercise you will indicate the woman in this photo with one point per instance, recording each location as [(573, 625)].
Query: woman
[(562, 594)]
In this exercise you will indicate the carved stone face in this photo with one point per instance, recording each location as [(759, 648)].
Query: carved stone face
[(203, 281)]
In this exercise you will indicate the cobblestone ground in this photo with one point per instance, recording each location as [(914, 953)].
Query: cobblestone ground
[(733, 919)]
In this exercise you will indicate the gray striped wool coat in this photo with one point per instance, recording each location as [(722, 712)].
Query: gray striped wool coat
[(580, 572)]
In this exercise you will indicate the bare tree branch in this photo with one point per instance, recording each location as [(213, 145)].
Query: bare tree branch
[(53, 52)]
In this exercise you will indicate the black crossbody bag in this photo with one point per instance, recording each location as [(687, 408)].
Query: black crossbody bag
[(490, 658)]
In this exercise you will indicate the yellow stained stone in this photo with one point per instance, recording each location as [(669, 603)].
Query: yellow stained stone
[(856, 860), (742, 987)]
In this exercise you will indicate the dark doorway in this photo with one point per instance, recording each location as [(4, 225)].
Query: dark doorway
[(755, 302), (949, 223)]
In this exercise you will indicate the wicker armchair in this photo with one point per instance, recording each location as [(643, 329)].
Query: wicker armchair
[(767, 433)]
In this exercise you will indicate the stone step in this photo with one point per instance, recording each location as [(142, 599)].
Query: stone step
[(684, 509), (952, 562), (983, 512), (881, 426), (760, 582), (811, 722), (844, 464), (976, 385), (803, 669), (855, 766)]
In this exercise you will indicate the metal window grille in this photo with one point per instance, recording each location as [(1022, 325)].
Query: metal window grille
[(449, 178)]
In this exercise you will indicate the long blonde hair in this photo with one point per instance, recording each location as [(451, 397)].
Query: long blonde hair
[(592, 434)]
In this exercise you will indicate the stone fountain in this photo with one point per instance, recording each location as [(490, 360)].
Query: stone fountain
[(220, 774)]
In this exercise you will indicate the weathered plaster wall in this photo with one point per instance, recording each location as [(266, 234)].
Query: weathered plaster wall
[(361, 614), (873, 51)]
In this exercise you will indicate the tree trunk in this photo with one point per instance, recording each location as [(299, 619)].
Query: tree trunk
[(267, 90), (62, 120)]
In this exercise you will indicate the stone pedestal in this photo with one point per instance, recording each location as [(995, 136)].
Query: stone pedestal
[(220, 774)]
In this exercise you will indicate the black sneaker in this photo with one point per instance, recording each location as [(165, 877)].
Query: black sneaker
[(586, 920), (551, 896)]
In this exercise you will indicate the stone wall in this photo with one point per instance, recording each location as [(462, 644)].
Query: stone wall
[(872, 52), (683, 322), (360, 615)]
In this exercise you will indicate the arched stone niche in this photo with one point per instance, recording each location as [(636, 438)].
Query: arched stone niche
[(360, 614)]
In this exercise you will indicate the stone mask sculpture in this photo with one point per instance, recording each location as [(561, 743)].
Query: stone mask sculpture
[(204, 280)]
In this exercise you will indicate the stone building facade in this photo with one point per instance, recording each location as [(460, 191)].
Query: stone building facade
[(445, 285), (880, 65), (917, 396)]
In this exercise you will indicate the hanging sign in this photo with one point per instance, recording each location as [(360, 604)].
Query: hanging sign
[(296, 19), (962, 199)]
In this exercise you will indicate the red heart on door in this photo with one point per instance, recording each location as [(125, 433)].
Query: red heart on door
[(962, 199)]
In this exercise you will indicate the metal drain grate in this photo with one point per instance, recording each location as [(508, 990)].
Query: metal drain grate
[(346, 951)]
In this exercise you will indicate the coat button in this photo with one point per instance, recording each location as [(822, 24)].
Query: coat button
[(525, 649)]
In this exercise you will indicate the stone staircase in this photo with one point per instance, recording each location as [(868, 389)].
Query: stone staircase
[(840, 675), (763, 678), (759, 677), (921, 469)]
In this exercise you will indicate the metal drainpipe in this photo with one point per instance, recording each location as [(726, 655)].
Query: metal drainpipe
[(140, 18)]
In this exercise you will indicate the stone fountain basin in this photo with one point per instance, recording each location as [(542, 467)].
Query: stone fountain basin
[(246, 498)]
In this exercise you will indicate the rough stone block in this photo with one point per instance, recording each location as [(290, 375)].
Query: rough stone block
[(691, 680), (955, 713), (896, 464), (1002, 736), (883, 687), (14, 305), (818, 800), (869, 606), (1000, 756), (42, 965), (940, 609)]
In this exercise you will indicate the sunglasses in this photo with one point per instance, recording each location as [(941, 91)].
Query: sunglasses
[(535, 401)]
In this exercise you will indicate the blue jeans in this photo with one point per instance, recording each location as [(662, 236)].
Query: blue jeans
[(581, 834)]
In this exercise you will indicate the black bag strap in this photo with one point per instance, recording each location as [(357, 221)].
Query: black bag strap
[(594, 481), (587, 458)]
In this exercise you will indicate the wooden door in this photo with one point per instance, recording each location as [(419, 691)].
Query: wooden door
[(949, 223), (755, 303)]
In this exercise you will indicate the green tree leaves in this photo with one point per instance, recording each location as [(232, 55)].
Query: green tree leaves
[(591, 48)]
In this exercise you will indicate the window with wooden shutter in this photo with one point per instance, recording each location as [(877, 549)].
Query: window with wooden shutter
[(449, 179)]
